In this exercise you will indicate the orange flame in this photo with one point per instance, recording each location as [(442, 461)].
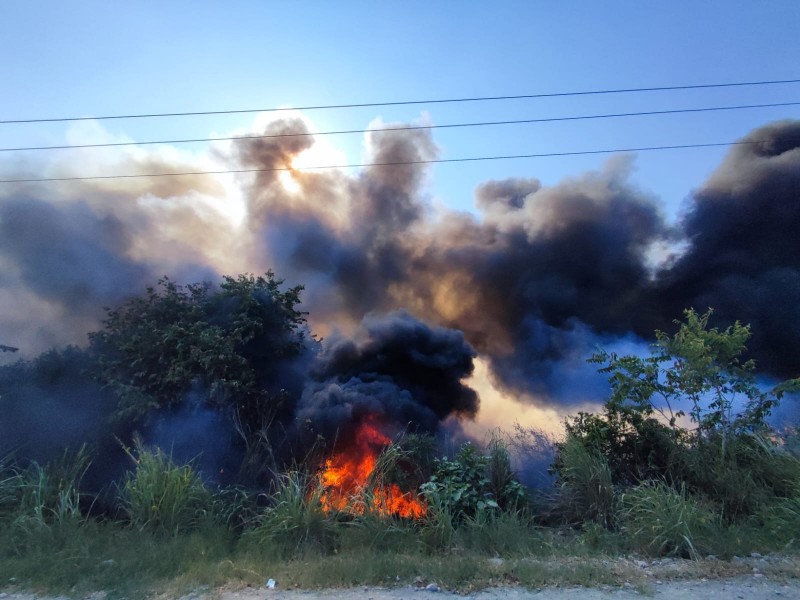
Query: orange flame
[(346, 475)]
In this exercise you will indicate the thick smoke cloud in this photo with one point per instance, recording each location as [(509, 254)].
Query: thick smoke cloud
[(70, 256), (397, 369), (546, 273), (744, 256), (66, 253), (532, 284), (347, 239), (551, 268), (51, 405), (542, 264)]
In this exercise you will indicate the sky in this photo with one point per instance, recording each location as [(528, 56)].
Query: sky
[(94, 58), (90, 243)]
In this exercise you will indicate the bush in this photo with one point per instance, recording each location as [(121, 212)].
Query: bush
[(701, 373), (658, 520), (163, 497), (749, 474), (473, 482), (460, 485), (219, 341)]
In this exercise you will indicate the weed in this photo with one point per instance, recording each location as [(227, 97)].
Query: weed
[(439, 525), (782, 521), (161, 496), (662, 521), (506, 533), (503, 483), (296, 522), (586, 490), (11, 488)]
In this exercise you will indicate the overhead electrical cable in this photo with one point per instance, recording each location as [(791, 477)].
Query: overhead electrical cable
[(407, 127), (405, 102), (385, 164)]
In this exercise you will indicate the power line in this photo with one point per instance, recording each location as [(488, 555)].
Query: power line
[(405, 102), (406, 127), (388, 164)]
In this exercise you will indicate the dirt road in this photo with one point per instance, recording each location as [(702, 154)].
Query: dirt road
[(743, 588), (752, 578)]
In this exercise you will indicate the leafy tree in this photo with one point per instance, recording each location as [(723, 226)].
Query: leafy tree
[(697, 376), (222, 343), (700, 370)]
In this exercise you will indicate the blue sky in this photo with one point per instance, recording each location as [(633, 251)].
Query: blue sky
[(93, 58)]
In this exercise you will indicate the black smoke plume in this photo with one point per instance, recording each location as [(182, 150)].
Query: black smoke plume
[(744, 254), (397, 369)]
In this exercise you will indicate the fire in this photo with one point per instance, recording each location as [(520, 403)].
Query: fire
[(346, 475)]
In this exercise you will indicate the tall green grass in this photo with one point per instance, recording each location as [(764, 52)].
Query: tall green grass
[(659, 520), (585, 487), (11, 486), (163, 497), (295, 523)]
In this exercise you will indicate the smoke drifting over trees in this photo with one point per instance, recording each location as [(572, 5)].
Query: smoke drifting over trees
[(531, 285), (744, 256)]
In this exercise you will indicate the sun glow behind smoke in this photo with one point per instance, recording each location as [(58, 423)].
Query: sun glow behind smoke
[(317, 158), (502, 410)]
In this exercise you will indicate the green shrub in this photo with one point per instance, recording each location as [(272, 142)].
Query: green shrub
[(473, 482), (658, 520), (460, 485), (503, 484), (701, 373), (163, 497)]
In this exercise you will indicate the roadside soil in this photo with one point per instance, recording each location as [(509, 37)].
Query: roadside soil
[(743, 588), (752, 578)]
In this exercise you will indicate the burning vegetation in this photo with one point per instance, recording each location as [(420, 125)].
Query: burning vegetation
[(353, 481)]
